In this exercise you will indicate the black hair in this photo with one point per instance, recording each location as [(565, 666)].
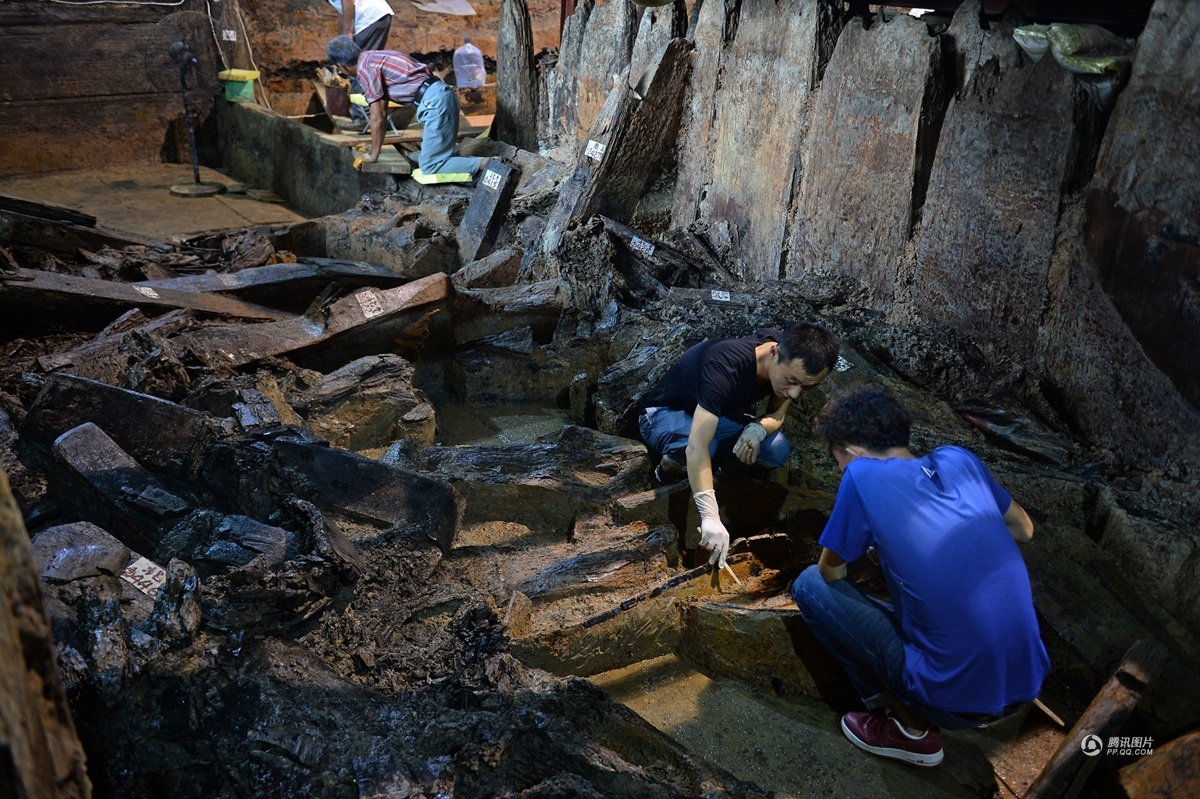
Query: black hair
[(864, 415), (815, 346)]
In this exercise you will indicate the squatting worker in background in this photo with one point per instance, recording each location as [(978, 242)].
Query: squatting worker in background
[(391, 75), (959, 645), (703, 409), (367, 21)]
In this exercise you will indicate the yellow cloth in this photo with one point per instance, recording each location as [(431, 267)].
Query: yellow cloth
[(441, 177)]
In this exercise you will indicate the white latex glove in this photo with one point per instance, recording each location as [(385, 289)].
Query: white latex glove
[(713, 535), (746, 448)]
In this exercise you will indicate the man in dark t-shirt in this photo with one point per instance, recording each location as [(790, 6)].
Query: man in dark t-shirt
[(703, 409)]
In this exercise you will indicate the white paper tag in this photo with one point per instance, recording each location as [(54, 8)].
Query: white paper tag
[(842, 364), (370, 303), (228, 35), (595, 149), (229, 280), (491, 180), (146, 291), (720, 296), (642, 246), (145, 575)]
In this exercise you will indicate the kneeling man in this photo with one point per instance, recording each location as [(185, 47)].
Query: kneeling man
[(702, 409), (959, 645)]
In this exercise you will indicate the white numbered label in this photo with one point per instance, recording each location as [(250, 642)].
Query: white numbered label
[(145, 575), (146, 291), (370, 304), (642, 246), (228, 35), (491, 180), (595, 149), (720, 296), (842, 364)]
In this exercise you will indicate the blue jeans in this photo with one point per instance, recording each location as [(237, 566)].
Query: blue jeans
[(863, 633), (666, 432), (438, 113)]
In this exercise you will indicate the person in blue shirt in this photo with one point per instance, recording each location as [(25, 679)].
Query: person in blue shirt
[(959, 645)]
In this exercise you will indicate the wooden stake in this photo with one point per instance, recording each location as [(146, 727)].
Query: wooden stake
[(732, 574)]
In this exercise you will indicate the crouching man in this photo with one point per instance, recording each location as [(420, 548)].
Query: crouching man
[(959, 644), (702, 411), (391, 75)]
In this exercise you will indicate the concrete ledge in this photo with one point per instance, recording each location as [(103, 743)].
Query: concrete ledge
[(266, 150)]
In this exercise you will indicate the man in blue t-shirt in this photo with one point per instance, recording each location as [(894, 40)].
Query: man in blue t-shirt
[(959, 644), (703, 409)]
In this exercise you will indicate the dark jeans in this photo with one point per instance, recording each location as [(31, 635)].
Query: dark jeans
[(666, 431), (863, 633)]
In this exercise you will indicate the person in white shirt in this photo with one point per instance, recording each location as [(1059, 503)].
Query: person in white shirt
[(366, 21)]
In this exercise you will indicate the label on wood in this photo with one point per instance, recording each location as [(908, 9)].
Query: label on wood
[(642, 246), (595, 149), (720, 296), (370, 303), (487, 210), (842, 364), (229, 280), (145, 575), (146, 291)]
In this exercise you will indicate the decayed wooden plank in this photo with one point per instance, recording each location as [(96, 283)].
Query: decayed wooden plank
[(486, 213), (1171, 770), (1066, 772), (516, 79), (36, 294), (653, 130), (232, 346), (580, 193), (42, 752), (67, 237), (48, 211), (305, 274)]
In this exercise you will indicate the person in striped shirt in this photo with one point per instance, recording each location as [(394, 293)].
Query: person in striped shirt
[(389, 75)]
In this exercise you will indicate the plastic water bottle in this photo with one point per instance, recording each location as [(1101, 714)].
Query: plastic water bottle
[(468, 66)]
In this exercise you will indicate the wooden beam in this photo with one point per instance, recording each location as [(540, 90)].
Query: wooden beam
[(516, 78), (1066, 772), (47, 299), (367, 319), (308, 275), (580, 193), (55, 235)]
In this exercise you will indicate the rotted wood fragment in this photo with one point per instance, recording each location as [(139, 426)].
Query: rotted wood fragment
[(1170, 770), (490, 311), (580, 194), (543, 486), (256, 476), (281, 283), (164, 436), (1066, 772), (104, 485), (37, 298), (42, 751), (110, 356), (487, 211), (369, 319), (493, 271)]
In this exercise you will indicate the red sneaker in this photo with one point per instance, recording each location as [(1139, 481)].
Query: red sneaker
[(882, 735)]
